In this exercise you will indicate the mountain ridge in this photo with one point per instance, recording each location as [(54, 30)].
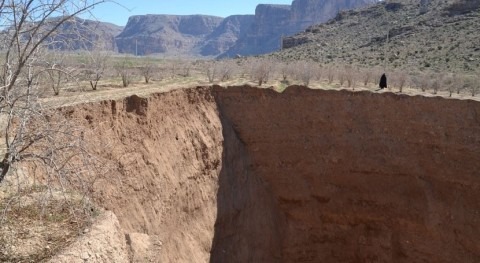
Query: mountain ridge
[(150, 34), (272, 22), (211, 36)]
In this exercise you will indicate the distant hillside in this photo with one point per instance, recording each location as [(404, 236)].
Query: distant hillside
[(274, 21), (200, 35), (84, 34), (441, 35), (172, 34)]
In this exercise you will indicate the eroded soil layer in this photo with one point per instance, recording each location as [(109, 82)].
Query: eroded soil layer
[(251, 175), (354, 177), (166, 152)]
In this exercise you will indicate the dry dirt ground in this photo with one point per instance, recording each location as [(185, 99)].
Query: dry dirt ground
[(253, 175)]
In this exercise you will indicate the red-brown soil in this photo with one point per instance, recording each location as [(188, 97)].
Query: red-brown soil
[(251, 175), (167, 150), (349, 177)]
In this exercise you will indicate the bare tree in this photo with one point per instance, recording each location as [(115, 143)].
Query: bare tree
[(448, 83), (211, 71), (186, 67), (123, 69), (96, 65), (475, 88), (459, 83), (399, 79), (367, 76), (435, 82), (225, 70), (148, 70), (342, 76), (416, 81), (285, 71), (57, 76), (27, 27), (261, 70), (423, 81), (472, 85), (351, 75), (330, 74), (305, 71), (318, 71)]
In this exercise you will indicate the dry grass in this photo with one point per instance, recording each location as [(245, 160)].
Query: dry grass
[(36, 224)]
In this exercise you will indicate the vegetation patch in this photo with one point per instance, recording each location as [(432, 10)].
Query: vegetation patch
[(36, 225)]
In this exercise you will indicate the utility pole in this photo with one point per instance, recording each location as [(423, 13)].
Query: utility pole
[(136, 47), (281, 41), (386, 45)]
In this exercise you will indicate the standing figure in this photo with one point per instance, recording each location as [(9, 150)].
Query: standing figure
[(383, 81)]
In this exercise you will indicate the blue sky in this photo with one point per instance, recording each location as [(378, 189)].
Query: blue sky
[(115, 13)]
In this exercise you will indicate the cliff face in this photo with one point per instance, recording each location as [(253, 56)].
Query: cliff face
[(226, 34), (251, 175), (167, 153), (274, 21), (199, 35), (349, 177), (269, 19), (170, 34), (262, 35), (308, 12)]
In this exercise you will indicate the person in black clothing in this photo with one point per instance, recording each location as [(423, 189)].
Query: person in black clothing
[(383, 81)]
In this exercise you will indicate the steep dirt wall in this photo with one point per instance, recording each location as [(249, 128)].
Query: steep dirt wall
[(249, 226), (251, 175), (355, 177), (166, 151)]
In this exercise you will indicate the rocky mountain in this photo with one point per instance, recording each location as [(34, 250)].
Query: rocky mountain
[(263, 36), (226, 34), (190, 35), (84, 34), (201, 35), (439, 35), (171, 34), (274, 21)]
